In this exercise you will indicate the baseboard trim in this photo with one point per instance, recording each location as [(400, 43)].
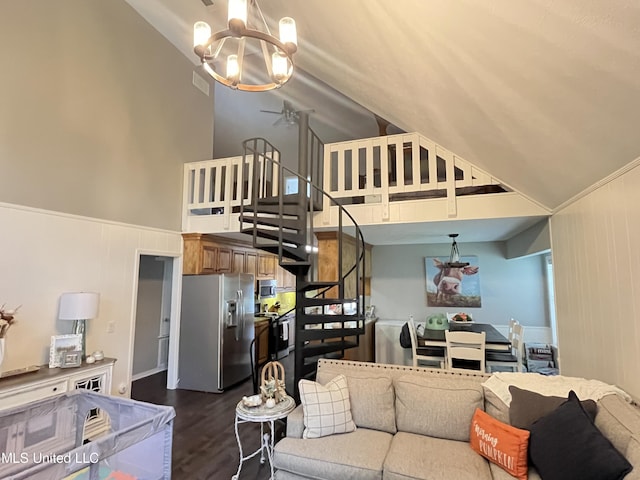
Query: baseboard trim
[(148, 373)]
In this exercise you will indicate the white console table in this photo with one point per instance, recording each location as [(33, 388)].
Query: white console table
[(47, 382)]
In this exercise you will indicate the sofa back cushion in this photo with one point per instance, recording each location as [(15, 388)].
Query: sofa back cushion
[(437, 407), (371, 395), (618, 420)]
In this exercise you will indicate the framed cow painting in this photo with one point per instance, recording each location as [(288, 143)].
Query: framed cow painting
[(453, 287)]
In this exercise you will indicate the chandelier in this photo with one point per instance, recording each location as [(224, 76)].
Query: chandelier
[(246, 56), (454, 257)]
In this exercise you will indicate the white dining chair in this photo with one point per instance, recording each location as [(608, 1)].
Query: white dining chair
[(433, 355), (511, 359), (512, 323), (465, 351)]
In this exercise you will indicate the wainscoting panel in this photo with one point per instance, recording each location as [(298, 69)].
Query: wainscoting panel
[(45, 254), (596, 258)]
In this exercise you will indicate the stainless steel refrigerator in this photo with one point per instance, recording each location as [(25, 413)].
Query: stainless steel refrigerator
[(216, 330)]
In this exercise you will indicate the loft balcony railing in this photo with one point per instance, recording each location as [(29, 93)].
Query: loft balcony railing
[(374, 172)]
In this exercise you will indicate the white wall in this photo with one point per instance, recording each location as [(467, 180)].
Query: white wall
[(45, 254), (100, 128), (596, 257), (533, 241), (509, 288), (98, 113)]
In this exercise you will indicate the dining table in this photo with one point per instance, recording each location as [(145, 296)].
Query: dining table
[(494, 340)]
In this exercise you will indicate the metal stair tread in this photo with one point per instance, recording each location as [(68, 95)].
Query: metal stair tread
[(288, 223), (310, 319), (291, 210), (289, 252), (318, 301), (323, 333), (288, 237), (316, 349), (287, 199), (309, 286)]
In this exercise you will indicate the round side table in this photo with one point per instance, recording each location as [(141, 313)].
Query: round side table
[(263, 415)]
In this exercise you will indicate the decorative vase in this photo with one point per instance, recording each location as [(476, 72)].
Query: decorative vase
[(270, 403)]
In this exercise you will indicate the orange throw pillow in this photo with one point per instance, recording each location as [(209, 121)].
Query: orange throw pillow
[(502, 444)]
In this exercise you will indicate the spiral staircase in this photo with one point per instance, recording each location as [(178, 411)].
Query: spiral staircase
[(329, 313)]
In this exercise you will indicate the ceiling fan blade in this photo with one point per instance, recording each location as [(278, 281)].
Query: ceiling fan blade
[(271, 111), (278, 122), (287, 106)]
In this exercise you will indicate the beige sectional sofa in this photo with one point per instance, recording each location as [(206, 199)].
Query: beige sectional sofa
[(414, 423)]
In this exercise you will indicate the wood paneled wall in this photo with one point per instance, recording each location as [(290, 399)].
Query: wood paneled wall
[(596, 256)]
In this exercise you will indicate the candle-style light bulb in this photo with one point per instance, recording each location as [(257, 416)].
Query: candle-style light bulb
[(201, 34), (237, 15), (279, 66), (233, 69), (288, 33)]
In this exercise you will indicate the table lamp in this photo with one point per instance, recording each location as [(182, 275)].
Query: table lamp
[(79, 307)]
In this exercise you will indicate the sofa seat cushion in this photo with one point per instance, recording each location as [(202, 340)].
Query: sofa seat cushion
[(501, 474), (284, 475), (358, 455), (427, 458)]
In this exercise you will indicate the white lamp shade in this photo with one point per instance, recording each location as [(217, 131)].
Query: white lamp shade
[(79, 306)]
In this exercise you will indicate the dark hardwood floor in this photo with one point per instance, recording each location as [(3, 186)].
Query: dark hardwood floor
[(204, 441)]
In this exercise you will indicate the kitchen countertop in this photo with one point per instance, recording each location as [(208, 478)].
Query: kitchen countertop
[(258, 317)]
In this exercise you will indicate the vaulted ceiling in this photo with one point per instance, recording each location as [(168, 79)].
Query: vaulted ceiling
[(544, 95)]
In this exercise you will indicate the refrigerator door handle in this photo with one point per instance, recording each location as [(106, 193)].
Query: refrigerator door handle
[(239, 316)]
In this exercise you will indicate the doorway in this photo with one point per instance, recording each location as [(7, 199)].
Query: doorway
[(156, 325)]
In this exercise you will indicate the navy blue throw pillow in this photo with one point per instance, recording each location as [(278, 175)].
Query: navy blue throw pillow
[(566, 445)]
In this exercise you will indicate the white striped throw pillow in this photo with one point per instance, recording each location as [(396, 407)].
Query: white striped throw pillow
[(326, 408)]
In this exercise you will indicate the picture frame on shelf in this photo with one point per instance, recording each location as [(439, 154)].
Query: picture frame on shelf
[(71, 359), (62, 345)]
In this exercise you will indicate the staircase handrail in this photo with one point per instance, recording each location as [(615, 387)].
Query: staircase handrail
[(361, 243)]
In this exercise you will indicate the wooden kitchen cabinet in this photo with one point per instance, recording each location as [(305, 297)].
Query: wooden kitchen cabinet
[(262, 341), (206, 254), (238, 261), (216, 259), (225, 260), (203, 256), (209, 259), (328, 245), (251, 263), (285, 280), (266, 266)]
